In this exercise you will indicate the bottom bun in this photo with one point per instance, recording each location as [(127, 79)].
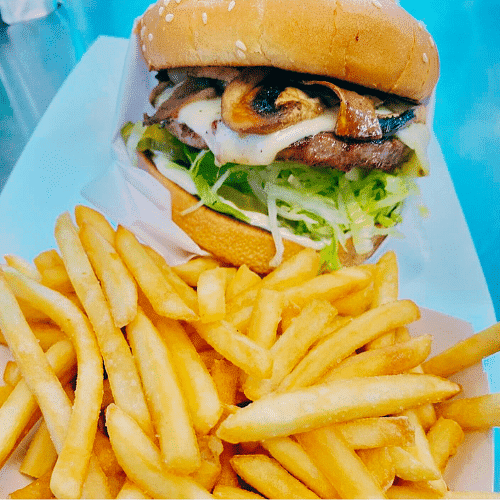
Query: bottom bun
[(230, 240)]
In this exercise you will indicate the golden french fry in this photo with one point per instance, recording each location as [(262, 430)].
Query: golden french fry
[(309, 326), (87, 215), (197, 386), (346, 340), (235, 347), (23, 266), (282, 414), (411, 468), (268, 477), (379, 463), (226, 377), (444, 437), (176, 435), (355, 303), (330, 286), (210, 448), (466, 353), (221, 491), (5, 392), (186, 293), (339, 463), (141, 460), (265, 317), (386, 279), (240, 318), (476, 413), (118, 360), (241, 281), (41, 454), (160, 293), (389, 360), (290, 454), (377, 432), (412, 490), (47, 334), (11, 373), (47, 259), (39, 488), (117, 283), (132, 491), (191, 270), (211, 288), (79, 420)]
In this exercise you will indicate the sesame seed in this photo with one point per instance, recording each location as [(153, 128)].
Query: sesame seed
[(166, 2), (143, 47), (241, 54), (231, 5), (143, 31), (425, 58), (431, 41), (377, 4), (169, 18), (204, 17), (241, 45), (421, 25), (150, 37), (178, 1), (161, 9)]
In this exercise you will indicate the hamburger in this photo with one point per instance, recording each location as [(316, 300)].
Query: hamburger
[(282, 124)]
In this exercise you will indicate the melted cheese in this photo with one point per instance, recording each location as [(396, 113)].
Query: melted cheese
[(247, 149)]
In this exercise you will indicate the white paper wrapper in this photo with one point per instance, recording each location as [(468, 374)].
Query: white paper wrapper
[(18, 11), (133, 198)]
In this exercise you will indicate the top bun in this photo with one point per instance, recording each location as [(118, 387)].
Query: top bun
[(373, 43)]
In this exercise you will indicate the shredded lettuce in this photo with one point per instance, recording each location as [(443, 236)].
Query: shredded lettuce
[(325, 205)]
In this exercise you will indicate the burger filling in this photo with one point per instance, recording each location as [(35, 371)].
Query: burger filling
[(307, 159)]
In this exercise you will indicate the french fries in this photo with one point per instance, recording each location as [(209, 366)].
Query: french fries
[(298, 384)]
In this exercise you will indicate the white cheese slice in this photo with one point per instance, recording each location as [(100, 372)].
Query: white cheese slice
[(248, 149)]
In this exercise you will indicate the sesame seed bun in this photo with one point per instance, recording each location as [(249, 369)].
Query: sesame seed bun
[(373, 43), (230, 240)]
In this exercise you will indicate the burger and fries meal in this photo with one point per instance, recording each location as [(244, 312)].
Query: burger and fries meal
[(135, 379)]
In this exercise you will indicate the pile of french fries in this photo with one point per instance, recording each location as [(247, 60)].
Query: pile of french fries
[(135, 379)]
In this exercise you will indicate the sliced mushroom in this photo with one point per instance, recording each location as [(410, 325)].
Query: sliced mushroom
[(357, 118), (250, 107)]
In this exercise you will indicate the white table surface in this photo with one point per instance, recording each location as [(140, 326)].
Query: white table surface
[(71, 146)]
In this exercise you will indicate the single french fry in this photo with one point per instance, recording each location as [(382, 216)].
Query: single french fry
[(87, 215), (160, 293), (176, 435), (117, 283), (221, 491), (131, 491), (242, 280), (386, 279), (444, 437), (39, 488), (265, 317), (120, 367), (309, 326), (377, 432), (330, 286), (142, 462), (210, 448), (47, 334), (226, 378), (211, 289), (268, 477), (79, 420), (185, 291), (41, 454), (346, 340), (197, 386), (5, 392), (235, 347), (191, 270), (472, 414), (290, 454), (397, 358), (23, 266), (411, 468), (339, 463), (412, 490), (355, 303), (47, 259), (282, 414), (379, 463), (465, 353)]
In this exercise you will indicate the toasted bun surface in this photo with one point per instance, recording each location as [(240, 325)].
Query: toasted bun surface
[(373, 43), (230, 240)]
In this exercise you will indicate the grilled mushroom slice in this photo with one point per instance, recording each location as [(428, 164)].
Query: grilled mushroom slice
[(249, 106)]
